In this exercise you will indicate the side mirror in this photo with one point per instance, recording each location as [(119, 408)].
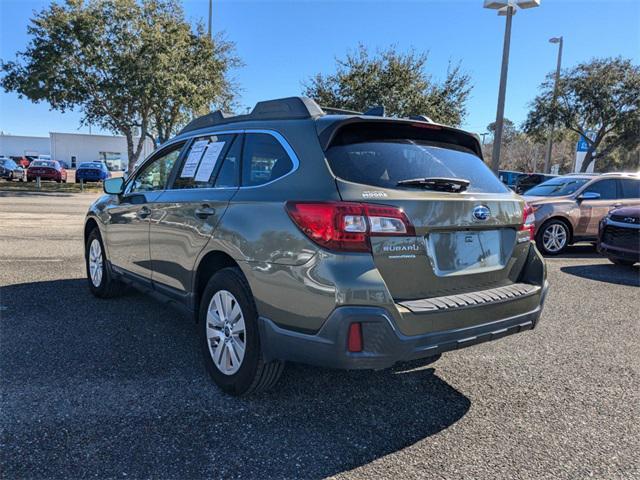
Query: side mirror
[(113, 186), (588, 196)]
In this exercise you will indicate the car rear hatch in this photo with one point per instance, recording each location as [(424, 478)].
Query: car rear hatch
[(43, 171), (457, 239)]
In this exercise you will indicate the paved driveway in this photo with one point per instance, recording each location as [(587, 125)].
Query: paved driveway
[(116, 388)]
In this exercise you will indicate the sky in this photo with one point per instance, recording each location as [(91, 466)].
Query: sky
[(283, 43)]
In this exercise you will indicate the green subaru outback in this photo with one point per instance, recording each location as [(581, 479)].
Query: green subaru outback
[(334, 238)]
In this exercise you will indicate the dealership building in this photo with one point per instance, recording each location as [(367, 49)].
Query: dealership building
[(73, 148)]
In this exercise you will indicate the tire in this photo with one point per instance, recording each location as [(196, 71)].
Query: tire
[(106, 286), (553, 237), (621, 261), (224, 337)]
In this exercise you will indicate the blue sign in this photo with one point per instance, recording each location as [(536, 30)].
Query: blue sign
[(583, 145)]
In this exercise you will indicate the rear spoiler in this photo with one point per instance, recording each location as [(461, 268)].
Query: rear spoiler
[(329, 134)]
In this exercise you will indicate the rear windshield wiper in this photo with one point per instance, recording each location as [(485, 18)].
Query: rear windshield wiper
[(439, 184)]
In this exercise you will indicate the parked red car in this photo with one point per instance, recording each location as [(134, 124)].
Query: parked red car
[(619, 235), (24, 161), (46, 170)]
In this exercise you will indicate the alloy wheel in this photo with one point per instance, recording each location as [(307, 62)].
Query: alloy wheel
[(554, 238), (95, 262), (226, 335)]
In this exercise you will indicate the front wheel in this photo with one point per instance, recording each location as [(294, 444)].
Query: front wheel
[(553, 237), (101, 281), (230, 338), (621, 261)]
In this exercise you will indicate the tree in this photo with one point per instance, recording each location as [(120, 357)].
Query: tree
[(509, 130), (397, 81), (131, 67), (599, 100)]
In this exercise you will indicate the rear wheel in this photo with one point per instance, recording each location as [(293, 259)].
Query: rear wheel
[(101, 281), (553, 237), (230, 338)]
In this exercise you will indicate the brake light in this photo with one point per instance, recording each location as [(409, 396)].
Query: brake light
[(528, 221), (428, 126), (347, 226)]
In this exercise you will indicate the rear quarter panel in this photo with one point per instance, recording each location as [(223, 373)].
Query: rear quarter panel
[(277, 259)]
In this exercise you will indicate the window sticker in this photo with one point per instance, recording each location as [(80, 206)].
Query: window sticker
[(190, 166), (209, 161)]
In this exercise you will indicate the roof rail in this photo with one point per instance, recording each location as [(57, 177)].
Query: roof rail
[(339, 111), (290, 108)]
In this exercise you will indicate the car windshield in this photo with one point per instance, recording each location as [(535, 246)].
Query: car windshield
[(91, 165), (42, 163), (556, 187), (385, 163)]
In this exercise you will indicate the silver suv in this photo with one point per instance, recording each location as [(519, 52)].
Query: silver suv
[(300, 234)]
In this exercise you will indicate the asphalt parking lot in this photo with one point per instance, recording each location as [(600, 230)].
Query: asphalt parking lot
[(116, 388)]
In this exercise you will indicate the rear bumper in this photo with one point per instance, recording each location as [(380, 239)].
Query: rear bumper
[(88, 177), (618, 252), (384, 344), (44, 176)]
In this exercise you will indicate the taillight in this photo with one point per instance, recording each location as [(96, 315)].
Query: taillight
[(528, 221), (347, 226)]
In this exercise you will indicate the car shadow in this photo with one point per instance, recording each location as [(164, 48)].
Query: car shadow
[(579, 250), (94, 387), (606, 272)]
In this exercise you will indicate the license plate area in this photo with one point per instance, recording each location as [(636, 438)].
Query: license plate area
[(466, 252)]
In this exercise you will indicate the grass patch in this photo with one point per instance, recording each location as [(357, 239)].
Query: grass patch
[(49, 187)]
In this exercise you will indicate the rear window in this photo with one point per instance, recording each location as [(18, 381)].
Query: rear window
[(557, 187), (43, 163), (384, 163), (630, 188), (90, 165)]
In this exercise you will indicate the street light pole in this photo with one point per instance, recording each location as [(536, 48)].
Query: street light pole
[(547, 158), (210, 15), (497, 138), (507, 8)]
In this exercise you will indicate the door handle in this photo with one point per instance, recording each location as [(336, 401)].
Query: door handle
[(205, 211), (144, 212)]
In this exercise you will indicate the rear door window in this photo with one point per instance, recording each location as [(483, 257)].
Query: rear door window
[(264, 160), (630, 188), (384, 163), (202, 161), (606, 188)]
